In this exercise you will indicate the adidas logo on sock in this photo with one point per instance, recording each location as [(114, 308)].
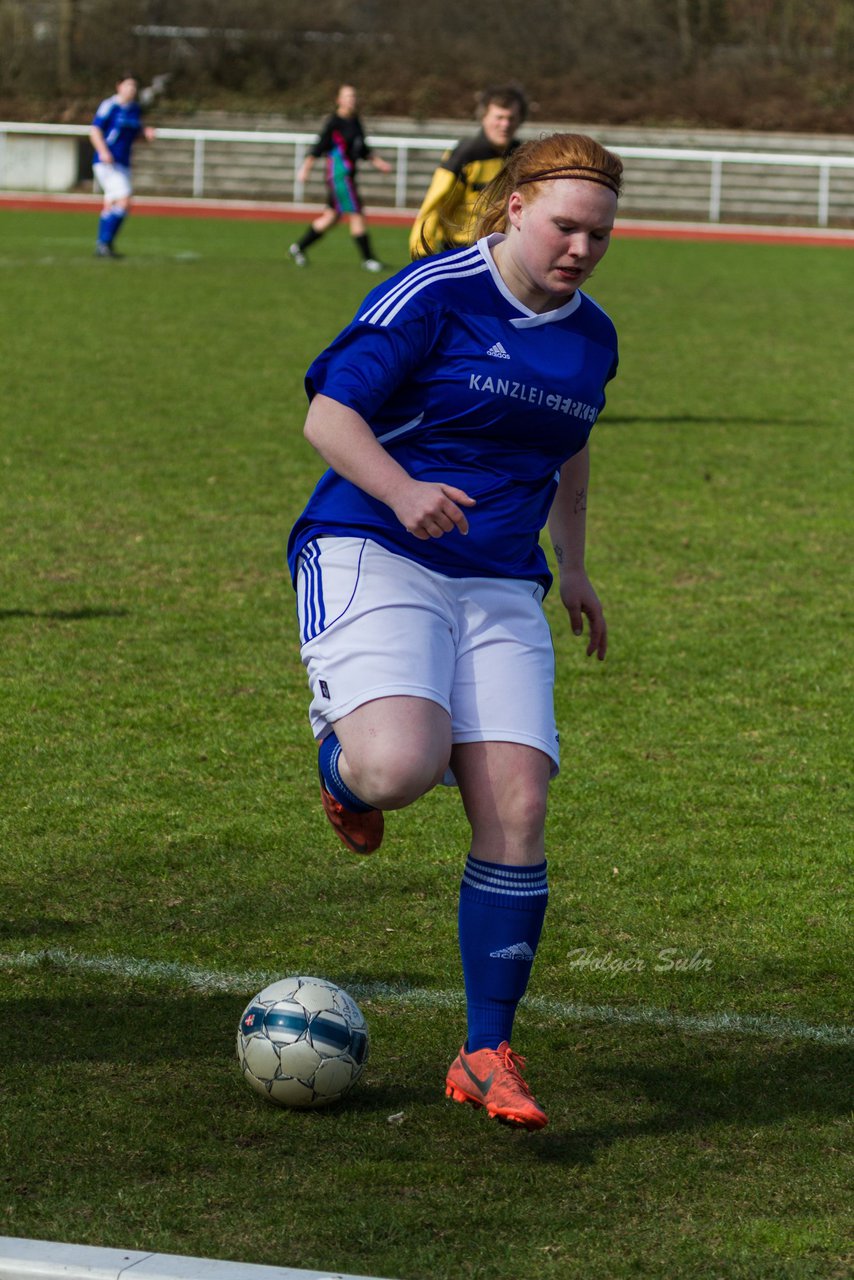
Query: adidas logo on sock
[(499, 352), (518, 951)]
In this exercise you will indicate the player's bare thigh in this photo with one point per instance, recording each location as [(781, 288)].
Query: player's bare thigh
[(394, 749), (504, 788)]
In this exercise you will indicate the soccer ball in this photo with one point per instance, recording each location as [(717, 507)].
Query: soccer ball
[(302, 1042)]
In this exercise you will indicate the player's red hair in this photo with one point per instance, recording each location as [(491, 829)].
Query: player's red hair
[(529, 167)]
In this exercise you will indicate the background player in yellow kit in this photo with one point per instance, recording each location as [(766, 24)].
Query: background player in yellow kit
[(446, 216)]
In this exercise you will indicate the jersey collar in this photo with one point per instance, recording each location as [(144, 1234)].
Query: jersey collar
[(528, 319)]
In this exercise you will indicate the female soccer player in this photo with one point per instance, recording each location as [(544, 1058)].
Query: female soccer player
[(454, 414), (342, 141)]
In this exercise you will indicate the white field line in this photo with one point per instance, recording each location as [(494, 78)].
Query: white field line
[(23, 1259), (191, 977)]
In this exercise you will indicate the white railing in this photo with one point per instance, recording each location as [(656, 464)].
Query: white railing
[(825, 165), (717, 159)]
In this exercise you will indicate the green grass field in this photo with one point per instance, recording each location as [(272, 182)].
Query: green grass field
[(163, 852)]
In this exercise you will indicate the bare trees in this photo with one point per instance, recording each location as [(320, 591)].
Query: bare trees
[(767, 63)]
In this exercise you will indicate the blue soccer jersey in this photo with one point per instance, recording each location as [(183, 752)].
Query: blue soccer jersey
[(465, 385), (121, 125)]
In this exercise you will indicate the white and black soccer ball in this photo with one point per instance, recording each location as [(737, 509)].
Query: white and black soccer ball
[(302, 1042)]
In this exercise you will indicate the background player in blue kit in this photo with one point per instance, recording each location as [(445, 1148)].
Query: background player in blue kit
[(454, 413), (114, 130), (342, 143)]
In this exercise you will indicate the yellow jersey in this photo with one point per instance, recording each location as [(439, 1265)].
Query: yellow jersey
[(446, 217)]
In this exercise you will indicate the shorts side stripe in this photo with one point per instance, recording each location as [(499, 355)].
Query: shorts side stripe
[(314, 611), (314, 615)]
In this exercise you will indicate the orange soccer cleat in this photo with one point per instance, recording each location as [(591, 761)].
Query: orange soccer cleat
[(492, 1078), (360, 832)]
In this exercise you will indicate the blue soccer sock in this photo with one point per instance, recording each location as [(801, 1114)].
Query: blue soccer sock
[(119, 216), (109, 225), (330, 750), (501, 917)]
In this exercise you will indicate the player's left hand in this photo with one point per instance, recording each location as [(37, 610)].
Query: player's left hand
[(579, 599)]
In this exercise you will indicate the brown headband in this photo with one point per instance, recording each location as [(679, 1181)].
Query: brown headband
[(581, 171)]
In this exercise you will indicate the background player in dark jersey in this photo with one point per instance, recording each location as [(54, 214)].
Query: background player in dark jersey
[(446, 216), (115, 128), (454, 414), (342, 143)]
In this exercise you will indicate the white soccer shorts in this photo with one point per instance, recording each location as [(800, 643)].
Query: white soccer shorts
[(375, 625), (113, 179)]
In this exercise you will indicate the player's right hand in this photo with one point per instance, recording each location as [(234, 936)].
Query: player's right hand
[(429, 509)]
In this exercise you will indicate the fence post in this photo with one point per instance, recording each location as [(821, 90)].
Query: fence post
[(401, 177), (198, 166), (715, 190), (823, 195), (300, 149)]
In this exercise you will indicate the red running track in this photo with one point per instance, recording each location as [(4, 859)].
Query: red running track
[(269, 211)]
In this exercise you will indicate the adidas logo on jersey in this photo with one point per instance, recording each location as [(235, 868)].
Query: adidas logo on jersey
[(518, 951), (499, 352)]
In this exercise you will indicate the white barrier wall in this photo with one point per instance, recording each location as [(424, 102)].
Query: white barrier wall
[(33, 163)]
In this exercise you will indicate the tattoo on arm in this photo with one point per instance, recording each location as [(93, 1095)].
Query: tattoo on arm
[(558, 553), (580, 501)]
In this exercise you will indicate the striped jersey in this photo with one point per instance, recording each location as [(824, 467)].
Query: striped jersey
[(121, 125), (463, 384), (447, 215), (342, 142)]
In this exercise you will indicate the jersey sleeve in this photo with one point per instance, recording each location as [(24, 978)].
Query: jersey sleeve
[(102, 115), (437, 209), (368, 362)]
